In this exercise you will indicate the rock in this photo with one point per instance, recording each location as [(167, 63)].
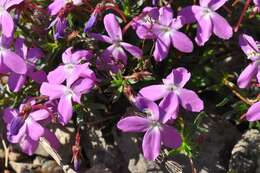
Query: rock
[(99, 151), (246, 153), (130, 144)]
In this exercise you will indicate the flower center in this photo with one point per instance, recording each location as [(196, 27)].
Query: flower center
[(207, 12), (68, 92), (171, 87), (155, 124), (69, 67), (2, 9)]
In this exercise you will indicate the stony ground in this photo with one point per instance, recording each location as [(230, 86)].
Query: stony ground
[(224, 148)]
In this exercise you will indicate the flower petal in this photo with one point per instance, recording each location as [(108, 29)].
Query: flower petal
[(133, 124), (247, 74), (153, 92), (16, 82), (28, 145), (65, 109), (165, 15), (12, 61), (162, 46), (204, 30), (247, 44), (133, 50), (190, 100), (181, 42), (170, 106), (152, 144), (56, 6), (101, 37), (148, 107), (58, 75), (38, 76), (216, 4), (221, 27), (189, 14), (170, 137), (112, 27), (253, 113), (11, 3), (81, 55), (51, 138), (39, 115), (34, 129), (178, 77), (9, 114), (7, 23), (54, 91)]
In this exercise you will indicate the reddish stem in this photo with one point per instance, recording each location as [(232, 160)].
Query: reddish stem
[(236, 28)]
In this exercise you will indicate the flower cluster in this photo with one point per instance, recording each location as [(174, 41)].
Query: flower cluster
[(83, 67)]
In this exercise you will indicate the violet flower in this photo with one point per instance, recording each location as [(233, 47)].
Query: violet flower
[(66, 94), (60, 24), (253, 113), (115, 38), (30, 56), (166, 31), (172, 93), (9, 61), (250, 48), (26, 130), (72, 69), (91, 21), (144, 22), (156, 130), (57, 5), (6, 22), (208, 20), (257, 5)]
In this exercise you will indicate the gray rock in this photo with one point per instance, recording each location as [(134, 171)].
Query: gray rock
[(246, 153)]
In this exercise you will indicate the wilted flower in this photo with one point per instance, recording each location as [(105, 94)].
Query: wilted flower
[(91, 21), (208, 20), (115, 38), (173, 93), (250, 48), (155, 126), (60, 24)]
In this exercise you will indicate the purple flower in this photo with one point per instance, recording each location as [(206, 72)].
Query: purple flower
[(115, 38), (26, 130), (107, 63), (144, 22), (6, 21), (173, 93), (57, 5), (166, 31), (208, 20), (91, 21), (60, 24), (72, 68), (66, 94), (155, 128), (9, 61), (30, 56), (250, 48), (257, 5), (253, 113)]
